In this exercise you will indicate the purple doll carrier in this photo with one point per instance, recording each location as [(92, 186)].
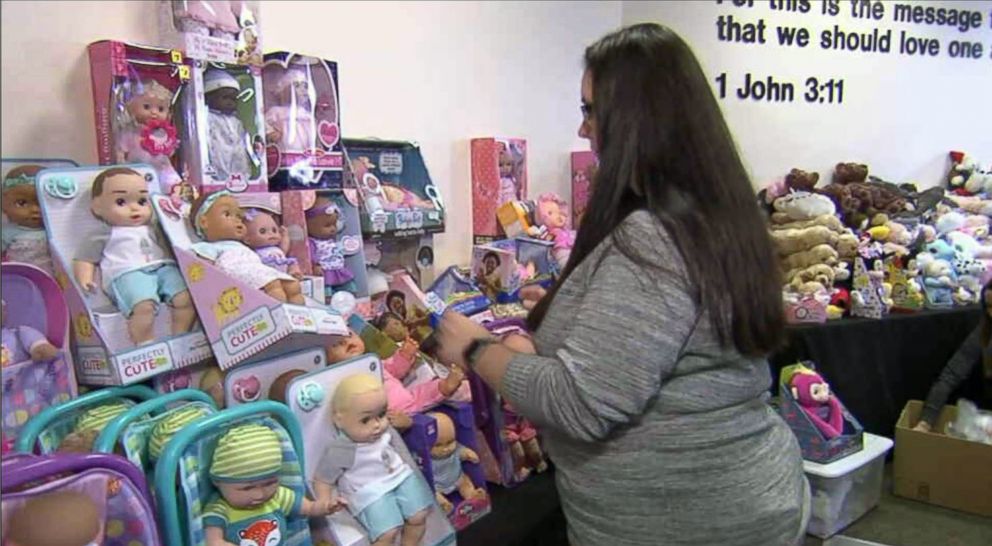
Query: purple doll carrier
[(117, 487), (34, 300)]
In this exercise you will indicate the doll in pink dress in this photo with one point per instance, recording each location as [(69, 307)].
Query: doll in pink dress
[(270, 241), (508, 189), (289, 123), (147, 135), (552, 214), (218, 18)]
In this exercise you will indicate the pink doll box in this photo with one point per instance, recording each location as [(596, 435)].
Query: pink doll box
[(253, 382), (224, 128), (347, 242), (103, 351), (583, 170), (309, 398), (805, 309), (22, 240), (136, 91), (302, 122), (499, 175), (224, 31), (241, 322), (34, 300)]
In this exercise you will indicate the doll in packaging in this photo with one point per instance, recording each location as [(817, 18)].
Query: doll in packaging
[(21, 343), (446, 464), (24, 238), (229, 143), (324, 224), (147, 135), (252, 507), (218, 18), (219, 221), (819, 404), (508, 166), (552, 213), (137, 269), (270, 241), (290, 123), (63, 518), (369, 468)]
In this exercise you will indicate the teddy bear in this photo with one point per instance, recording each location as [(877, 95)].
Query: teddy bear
[(800, 180), (939, 281), (845, 173), (831, 221), (822, 275), (966, 175), (847, 245), (802, 205), (790, 241), (819, 254)]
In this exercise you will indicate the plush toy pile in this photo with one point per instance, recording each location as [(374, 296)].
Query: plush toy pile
[(863, 246)]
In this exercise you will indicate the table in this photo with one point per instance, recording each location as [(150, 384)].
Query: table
[(875, 366)]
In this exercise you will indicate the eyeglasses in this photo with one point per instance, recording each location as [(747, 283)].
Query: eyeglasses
[(586, 108)]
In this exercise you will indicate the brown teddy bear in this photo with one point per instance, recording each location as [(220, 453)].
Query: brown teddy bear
[(819, 254), (821, 274), (845, 173), (800, 180), (827, 220), (790, 241)]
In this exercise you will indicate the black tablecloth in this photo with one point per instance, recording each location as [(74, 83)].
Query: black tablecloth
[(527, 515), (875, 366)]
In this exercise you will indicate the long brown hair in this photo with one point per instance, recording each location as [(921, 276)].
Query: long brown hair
[(665, 147)]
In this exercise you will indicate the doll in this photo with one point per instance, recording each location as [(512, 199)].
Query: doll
[(398, 198), (148, 136), (488, 277), (551, 214), (219, 221), (251, 504), (402, 399), (517, 431), (218, 18), (508, 190), (88, 427), (138, 271), (820, 405), (21, 343), (393, 326), (166, 428), (367, 465), (290, 123), (446, 464), (417, 320), (24, 238), (280, 387), (270, 241), (76, 518), (228, 142), (324, 224)]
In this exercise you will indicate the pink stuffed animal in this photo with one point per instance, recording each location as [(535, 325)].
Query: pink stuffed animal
[(820, 405)]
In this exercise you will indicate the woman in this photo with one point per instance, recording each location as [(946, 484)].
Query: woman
[(977, 347), (650, 377)]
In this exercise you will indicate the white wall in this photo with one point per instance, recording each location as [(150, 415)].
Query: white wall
[(900, 115), (436, 72)]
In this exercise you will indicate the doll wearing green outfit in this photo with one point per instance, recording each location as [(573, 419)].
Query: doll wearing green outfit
[(252, 505)]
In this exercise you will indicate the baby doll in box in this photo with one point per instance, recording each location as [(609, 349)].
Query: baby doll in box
[(24, 238), (446, 464), (21, 343), (229, 143), (135, 263), (552, 213), (220, 222), (252, 507), (369, 468), (147, 135), (325, 222)]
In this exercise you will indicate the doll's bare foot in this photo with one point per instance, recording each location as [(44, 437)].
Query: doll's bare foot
[(183, 313), (294, 294), (444, 503), (140, 324), (388, 538), (522, 474), (274, 290)]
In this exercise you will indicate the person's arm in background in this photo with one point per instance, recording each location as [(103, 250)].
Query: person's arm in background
[(958, 369)]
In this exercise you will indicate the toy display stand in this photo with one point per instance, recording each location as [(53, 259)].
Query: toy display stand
[(253, 382), (241, 322), (34, 300), (398, 195), (104, 353), (815, 447), (309, 397)]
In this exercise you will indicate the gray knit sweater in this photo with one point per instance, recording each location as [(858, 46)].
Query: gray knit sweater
[(659, 435)]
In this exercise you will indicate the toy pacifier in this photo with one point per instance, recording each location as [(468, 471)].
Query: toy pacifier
[(62, 187), (310, 396)]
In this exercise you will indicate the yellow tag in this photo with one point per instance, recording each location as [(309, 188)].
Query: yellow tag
[(177, 56), (183, 72)]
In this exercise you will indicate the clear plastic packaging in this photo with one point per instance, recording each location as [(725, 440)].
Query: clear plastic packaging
[(971, 424), (225, 31)]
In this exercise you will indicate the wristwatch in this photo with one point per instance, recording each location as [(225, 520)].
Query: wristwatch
[(475, 349)]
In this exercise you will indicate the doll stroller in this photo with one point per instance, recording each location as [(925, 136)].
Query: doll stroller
[(45, 431), (186, 456), (116, 486), (28, 386)]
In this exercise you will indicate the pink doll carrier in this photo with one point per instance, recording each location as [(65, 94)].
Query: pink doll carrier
[(34, 300), (116, 486)]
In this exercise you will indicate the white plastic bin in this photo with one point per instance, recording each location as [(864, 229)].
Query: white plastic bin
[(846, 489)]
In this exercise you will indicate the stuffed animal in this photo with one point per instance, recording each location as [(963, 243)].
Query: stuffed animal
[(820, 405), (949, 221), (940, 249), (801, 205), (819, 254), (800, 180), (847, 245), (782, 221), (973, 204), (790, 241), (968, 174), (820, 274), (845, 173)]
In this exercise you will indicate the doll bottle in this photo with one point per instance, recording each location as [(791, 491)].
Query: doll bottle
[(24, 238), (324, 224), (147, 135)]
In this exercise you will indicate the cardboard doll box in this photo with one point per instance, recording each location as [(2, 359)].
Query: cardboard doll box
[(583, 171), (125, 78), (399, 197), (500, 268), (499, 176), (815, 447), (225, 31), (222, 123), (940, 469), (302, 122)]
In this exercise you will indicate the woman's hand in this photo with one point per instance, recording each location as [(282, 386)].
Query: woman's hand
[(454, 334), (531, 294)]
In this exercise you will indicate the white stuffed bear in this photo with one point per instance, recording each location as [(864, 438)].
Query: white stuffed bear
[(802, 205)]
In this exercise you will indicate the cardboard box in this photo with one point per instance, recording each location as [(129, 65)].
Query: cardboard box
[(941, 469), (499, 176)]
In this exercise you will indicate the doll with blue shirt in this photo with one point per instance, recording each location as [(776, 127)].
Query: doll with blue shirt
[(137, 268), (367, 468), (252, 507)]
